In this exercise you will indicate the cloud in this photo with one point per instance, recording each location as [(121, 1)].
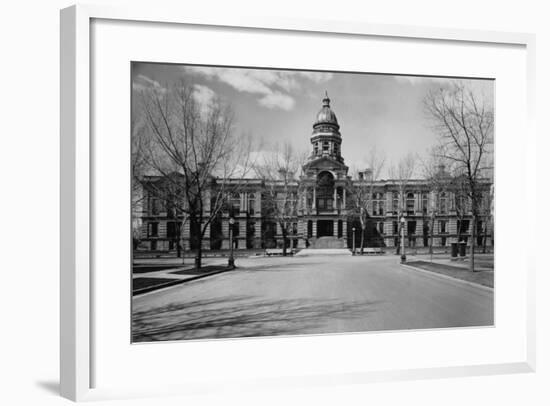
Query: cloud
[(274, 86), (277, 100), (203, 95), (420, 80), (142, 82)]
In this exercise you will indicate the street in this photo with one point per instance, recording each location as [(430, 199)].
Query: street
[(309, 295)]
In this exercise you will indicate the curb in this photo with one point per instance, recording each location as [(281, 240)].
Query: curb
[(175, 282), (443, 276)]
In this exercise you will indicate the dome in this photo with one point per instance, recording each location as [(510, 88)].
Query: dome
[(326, 115)]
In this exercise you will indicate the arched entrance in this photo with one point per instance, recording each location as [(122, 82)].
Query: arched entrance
[(325, 192)]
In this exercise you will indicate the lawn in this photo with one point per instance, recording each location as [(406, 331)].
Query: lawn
[(485, 277)]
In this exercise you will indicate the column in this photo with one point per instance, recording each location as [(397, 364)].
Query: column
[(225, 233), (314, 203), (335, 228), (186, 235), (344, 197), (242, 234), (345, 229)]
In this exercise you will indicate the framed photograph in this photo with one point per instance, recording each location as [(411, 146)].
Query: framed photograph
[(285, 202)]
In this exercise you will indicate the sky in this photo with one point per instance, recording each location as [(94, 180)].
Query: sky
[(278, 106)]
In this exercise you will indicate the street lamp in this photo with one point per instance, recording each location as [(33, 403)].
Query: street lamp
[(353, 241), (403, 255), (231, 261)]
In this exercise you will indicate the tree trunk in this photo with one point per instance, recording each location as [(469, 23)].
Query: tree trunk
[(432, 226), (362, 239), (485, 235), (284, 241), (198, 255), (398, 247), (181, 243), (472, 242)]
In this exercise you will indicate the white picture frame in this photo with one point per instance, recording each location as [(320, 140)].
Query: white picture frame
[(77, 282)]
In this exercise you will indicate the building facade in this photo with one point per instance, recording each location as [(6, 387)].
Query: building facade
[(327, 206)]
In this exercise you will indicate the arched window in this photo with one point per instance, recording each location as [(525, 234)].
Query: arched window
[(325, 191)]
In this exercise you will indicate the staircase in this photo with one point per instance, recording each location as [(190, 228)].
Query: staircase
[(327, 243), (323, 251)]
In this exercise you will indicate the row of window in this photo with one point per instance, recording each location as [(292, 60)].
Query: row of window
[(324, 147), (173, 228), (157, 206)]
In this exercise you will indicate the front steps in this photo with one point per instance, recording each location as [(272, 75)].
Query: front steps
[(327, 243), (323, 251)]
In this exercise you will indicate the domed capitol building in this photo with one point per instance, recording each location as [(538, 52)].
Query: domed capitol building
[(325, 213)]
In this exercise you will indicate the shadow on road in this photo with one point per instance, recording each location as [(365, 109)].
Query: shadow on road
[(240, 316)]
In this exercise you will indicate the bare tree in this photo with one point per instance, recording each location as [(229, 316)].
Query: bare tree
[(140, 166), (402, 172), (439, 180), (464, 121), (363, 190), (279, 169), (195, 149)]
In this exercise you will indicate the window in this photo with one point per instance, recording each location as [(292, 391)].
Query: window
[(395, 227), (381, 227), (378, 204), (251, 203), (410, 203), (424, 203), (442, 203), (336, 149), (325, 146), (316, 148), (154, 206), (463, 226), (443, 226), (235, 204), (236, 229), (153, 230), (172, 230), (395, 202)]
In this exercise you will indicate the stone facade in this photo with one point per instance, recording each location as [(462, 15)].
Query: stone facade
[(325, 214)]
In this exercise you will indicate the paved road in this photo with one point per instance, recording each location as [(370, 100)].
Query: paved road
[(304, 295)]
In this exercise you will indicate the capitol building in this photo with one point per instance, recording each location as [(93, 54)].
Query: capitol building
[(326, 213)]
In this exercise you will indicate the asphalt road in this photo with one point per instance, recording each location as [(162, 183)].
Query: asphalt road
[(305, 295)]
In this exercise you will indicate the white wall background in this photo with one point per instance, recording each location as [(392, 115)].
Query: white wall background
[(29, 203)]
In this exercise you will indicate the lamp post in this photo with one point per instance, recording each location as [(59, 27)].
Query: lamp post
[(403, 255), (231, 261), (353, 241)]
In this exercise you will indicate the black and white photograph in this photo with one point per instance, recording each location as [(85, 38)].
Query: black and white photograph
[(273, 202)]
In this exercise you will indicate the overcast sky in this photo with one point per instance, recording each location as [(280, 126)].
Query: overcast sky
[(276, 106)]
